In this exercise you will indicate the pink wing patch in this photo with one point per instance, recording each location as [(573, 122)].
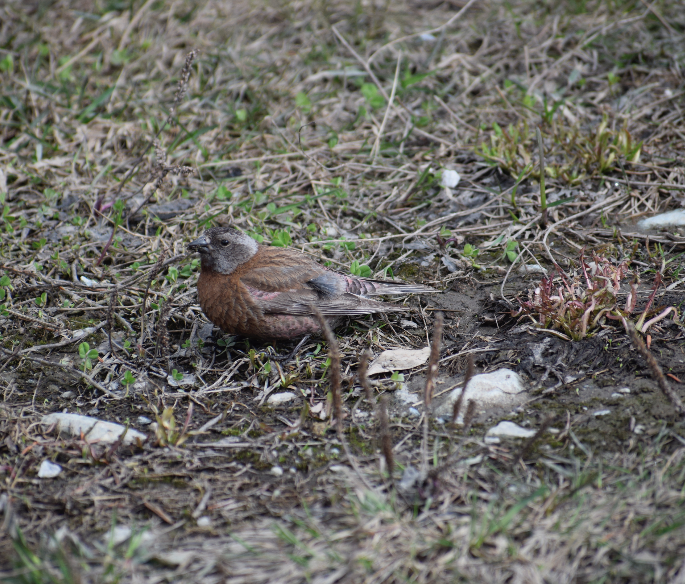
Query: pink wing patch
[(261, 294)]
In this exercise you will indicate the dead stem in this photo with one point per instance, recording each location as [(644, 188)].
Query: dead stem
[(456, 407), (384, 437), (333, 370), (431, 373), (657, 373)]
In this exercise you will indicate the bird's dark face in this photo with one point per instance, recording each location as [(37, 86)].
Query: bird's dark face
[(223, 249)]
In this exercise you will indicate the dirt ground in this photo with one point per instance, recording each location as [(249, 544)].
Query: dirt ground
[(335, 128)]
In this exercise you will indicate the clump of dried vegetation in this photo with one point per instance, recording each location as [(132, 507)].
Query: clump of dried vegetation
[(127, 128)]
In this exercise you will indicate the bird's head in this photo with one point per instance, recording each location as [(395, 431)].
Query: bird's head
[(223, 249)]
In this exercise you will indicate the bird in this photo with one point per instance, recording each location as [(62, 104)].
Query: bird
[(266, 293)]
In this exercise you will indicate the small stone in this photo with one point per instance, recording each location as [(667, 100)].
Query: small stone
[(281, 398), (624, 390), (118, 534), (68, 394), (639, 429), (335, 451), (450, 179), (506, 429), (601, 413), (49, 470), (204, 521), (186, 379), (503, 387), (414, 413), (531, 269), (616, 395), (277, 471), (144, 420), (337, 468), (94, 430)]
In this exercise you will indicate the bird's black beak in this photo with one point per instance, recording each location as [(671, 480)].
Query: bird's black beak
[(200, 244)]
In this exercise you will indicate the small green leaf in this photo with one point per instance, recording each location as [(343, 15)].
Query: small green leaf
[(370, 92), (303, 102), (7, 64), (281, 238), (241, 114), (222, 193), (357, 269), (172, 274)]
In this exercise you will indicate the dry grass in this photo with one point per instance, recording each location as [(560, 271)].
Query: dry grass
[(326, 126)]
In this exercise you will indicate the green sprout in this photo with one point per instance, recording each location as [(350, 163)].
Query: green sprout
[(357, 269), (87, 355), (128, 380)]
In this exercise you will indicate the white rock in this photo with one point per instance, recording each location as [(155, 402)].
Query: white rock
[(89, 282), (48, 470), (187, 379), (94, 430), (277, 471), (398, 360), (144, 420), (670, 219), (532, 269), (408, 324), (506, 429), (617, 395), (450, 179), (204, 521), (284, 397), (602, 413), (118, 534), (499, 388), (624, 390)]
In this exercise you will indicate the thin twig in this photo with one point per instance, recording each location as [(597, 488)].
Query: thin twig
[(364, 380), (657, 373), (456, 407), (334, 369), (377, 144), (384, 437), (431, 372), (528, 445)]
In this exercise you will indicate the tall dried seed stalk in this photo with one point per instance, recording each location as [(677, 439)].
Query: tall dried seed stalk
[(456, 407), (334, 370), (657, 373), (434, 360), (364, 380), (110, 318), (384, 435)]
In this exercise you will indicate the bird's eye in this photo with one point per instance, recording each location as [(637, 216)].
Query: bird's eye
[(224, 242)]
